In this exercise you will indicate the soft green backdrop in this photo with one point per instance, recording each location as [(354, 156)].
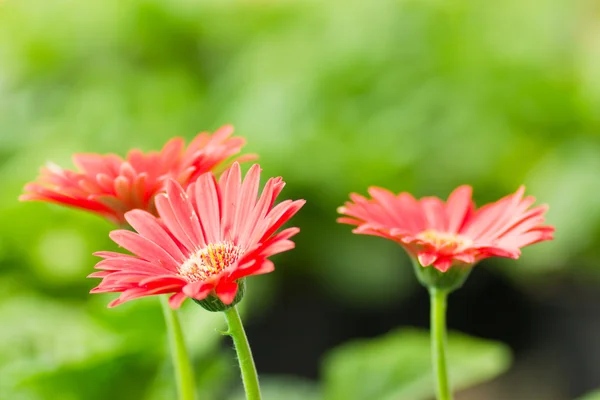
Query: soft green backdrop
[(415, 95)]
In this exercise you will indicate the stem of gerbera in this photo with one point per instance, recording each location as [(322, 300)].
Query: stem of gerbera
[(438, 342), (242, 347), (181, 361)]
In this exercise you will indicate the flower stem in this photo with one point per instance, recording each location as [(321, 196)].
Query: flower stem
[(242, 347), (438, 342), (179, 354)]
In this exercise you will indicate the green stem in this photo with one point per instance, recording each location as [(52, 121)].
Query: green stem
[(438, 342), (179, 354), (242, 347)]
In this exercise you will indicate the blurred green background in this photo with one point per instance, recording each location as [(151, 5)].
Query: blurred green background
[(413, 95)]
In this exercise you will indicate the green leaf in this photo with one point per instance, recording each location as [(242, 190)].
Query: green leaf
[(592, 396), (397, 366), (284, 387)]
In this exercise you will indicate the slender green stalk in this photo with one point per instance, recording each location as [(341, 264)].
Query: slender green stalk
[(438, 342), (242, 347), (179, 354)]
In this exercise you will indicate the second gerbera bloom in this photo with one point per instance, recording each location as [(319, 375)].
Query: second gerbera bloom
[(442, 234), (206, 239), (109, 185)]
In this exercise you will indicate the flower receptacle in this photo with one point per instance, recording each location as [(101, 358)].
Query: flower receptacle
[(448, 281)]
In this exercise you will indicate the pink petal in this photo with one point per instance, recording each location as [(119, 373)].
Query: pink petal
[(170, 220), (246, 199), (147, 226), (208, 206), (229, 185), (177, 300), (435, 213), (426, 259), (197, 290), (226, 291), (143, 248), (458, 207), (184, 212)]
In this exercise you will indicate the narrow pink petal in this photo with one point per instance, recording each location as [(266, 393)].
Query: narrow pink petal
[(499, 251), (264, 268), (184, 212), (426, 259), (458, 207), (136, 293), (109, 254), (490, 215), (272, 188), (222, 133), (349, 221), (226, 291), (147, 226), (177, 300), (162, 280), (173, 149), (93, 164), (246, 200), (229, 184), (466, 258), (260, 267), (388, 202), (510, 218), (411, 213), (170, 220), (529, 220), (208, 206), (143, 248), (279, 243), (122, 188), (128, 172), (443, 264), (277, 247), (435, 213), (525, 239), (197, 290), (276, 221), (99, 274), (133, 265)]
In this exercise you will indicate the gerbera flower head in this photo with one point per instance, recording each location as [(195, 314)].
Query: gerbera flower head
[(109, 185), (206, 240), (449, 235)]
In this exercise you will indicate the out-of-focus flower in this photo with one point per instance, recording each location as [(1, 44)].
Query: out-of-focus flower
[(453, 233), (206, 240), (110, 186)]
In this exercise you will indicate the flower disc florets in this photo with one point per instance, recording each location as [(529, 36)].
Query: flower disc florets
[(210, 261)]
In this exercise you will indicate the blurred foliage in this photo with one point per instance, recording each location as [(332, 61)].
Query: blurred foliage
[(397, 366), (335, 96), (592, 396), (288, 388)]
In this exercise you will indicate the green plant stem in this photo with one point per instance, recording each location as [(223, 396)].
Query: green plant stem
[(242, 347), (181, 361), (438, 342)]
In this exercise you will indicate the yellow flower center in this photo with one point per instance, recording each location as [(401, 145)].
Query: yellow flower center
[(445, 242), (209, 261)]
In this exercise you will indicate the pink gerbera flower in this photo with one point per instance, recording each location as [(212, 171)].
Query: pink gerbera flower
[(110, 186), (206, 239), (443, 234)]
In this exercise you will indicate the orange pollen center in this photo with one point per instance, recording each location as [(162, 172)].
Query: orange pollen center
[(445, 241), (209, 261)]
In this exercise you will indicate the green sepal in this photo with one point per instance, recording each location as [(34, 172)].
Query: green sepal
[(448, 281), (213, 304)]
